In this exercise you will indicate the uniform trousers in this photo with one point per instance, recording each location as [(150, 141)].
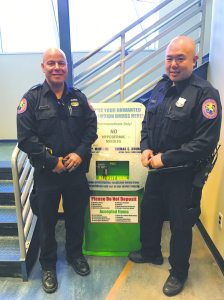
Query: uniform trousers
[(170, 195), (74, 189)]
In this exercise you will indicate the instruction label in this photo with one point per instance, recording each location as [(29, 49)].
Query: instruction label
[(114, 209)]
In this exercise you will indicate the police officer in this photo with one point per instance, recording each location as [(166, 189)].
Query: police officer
[(56, 127), (181, 127)]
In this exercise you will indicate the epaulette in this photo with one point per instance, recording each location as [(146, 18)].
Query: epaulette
[(73, 90), (165, 76), (200, 82), (163, 80), (35, 87), (77, 90), (78, 93)]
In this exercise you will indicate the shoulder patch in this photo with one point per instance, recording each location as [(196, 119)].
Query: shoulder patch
[(209, 109), (22, 106)]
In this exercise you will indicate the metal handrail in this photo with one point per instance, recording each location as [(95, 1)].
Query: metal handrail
[(22, 176), (124, 31), (132, 68), (93, 78), (133, 53)]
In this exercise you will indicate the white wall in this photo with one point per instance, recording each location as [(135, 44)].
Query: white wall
[(18, 73), (213, 194)]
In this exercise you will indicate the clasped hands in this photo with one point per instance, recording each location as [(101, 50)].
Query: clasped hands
[(150, 160), (68, 163)]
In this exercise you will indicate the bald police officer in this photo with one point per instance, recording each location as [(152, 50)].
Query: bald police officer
[(181, 128), (56, 128)]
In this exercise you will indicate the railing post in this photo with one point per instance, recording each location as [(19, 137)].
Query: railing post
[(64, 34), (122, 67), (203, 12)]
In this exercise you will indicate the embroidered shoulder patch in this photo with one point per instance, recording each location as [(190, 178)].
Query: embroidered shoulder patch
[(22, 106), (210, 109)]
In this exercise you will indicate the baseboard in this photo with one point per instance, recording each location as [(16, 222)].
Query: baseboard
[(211, 246), (8, 141)]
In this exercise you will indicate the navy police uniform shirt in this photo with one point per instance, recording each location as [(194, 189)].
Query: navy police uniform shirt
[(183, 122), (49, 128)]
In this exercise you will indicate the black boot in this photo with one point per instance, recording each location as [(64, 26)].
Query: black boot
[(173, 286), (138, 257), (49, 281), (80, 265)]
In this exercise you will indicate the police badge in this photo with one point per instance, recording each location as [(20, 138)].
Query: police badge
[(180, 102)]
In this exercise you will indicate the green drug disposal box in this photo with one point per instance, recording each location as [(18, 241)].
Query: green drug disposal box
[(116, 179)]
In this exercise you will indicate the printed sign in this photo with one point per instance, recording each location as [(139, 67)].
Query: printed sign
[(115, 166), (114, 209)]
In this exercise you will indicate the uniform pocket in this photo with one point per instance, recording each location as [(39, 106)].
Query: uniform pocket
[(47, 120), (178, 126), (76, 111), (152, 120), (76, 121)]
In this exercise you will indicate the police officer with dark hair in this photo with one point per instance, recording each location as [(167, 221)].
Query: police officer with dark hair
[(181, 128), (56, 128)]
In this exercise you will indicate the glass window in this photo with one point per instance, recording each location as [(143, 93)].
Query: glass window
[(27, 25), (92, 23), (32, 25)]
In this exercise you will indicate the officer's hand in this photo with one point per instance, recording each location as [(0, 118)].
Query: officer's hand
[(60, 167), (72, 161), (146, 155), (156, 161)]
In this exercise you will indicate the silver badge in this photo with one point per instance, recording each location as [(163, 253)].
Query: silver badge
[(180, 102)]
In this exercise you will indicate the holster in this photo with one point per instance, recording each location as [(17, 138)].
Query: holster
[(201, 174), (194, 210), (204, 167)]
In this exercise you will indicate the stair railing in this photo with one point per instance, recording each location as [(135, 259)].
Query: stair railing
[(22, 175), (127, 72)]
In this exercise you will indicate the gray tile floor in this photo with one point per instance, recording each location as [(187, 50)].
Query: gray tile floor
[(115, 278)]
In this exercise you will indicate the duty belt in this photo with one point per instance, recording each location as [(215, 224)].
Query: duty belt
[(170, 169)]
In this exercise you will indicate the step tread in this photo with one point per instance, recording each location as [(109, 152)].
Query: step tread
[(9, 249), (8, 215), (6, 186), (5, 164)]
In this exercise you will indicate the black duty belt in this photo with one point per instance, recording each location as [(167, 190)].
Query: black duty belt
[(170, 169)]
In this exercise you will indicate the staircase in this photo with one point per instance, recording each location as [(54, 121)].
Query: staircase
[(9, 243), (17, 252), (136, 64)]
